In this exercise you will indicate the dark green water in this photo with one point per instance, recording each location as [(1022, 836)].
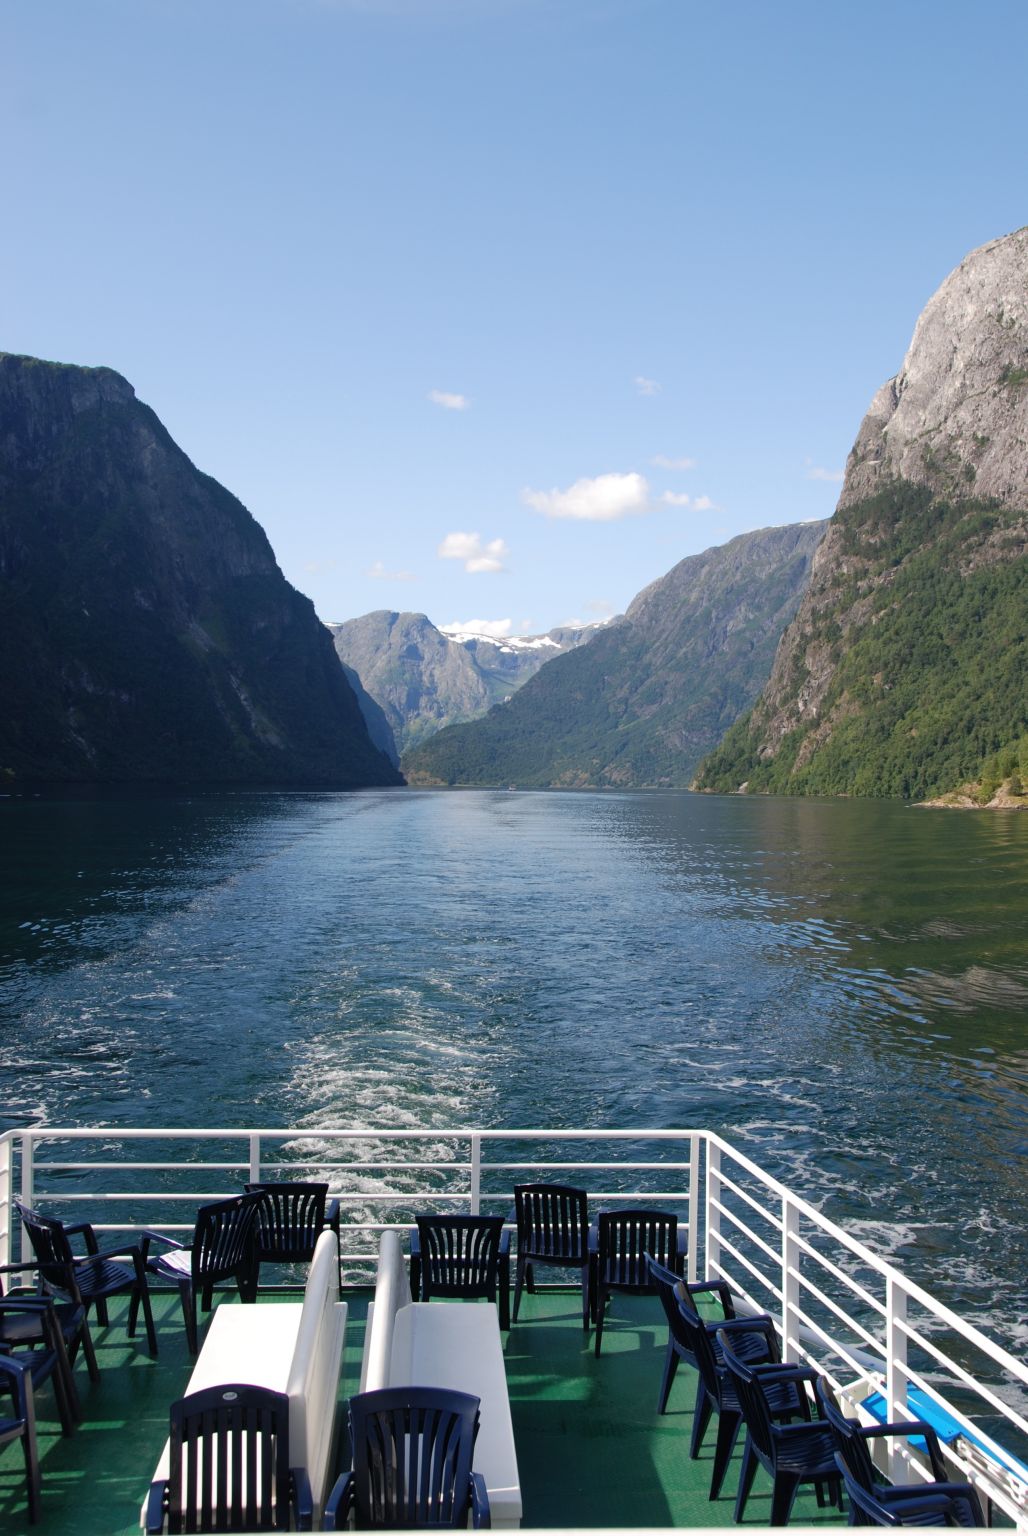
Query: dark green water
[(839, 987)]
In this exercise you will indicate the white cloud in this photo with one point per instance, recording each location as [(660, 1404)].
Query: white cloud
[(704, 504), (663, 462), (447, 401), (379, 572), (646, 386), (815, 472), (495, 629), (478, 558), (603, 499), (676, 499)]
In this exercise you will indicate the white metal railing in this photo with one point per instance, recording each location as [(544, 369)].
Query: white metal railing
[(836, 1304)]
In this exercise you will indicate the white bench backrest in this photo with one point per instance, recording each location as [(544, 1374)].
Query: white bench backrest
[(392, 1291), (314, 1373)]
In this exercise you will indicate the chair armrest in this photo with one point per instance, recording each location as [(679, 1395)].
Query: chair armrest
[(338, 1504), (760, 1322), (926, 1504), (85, 1230), (303, 1498), (159, 1237), (909, 1428), (20, 1386), (776, 1373), (722, 1289), (481, 1515), (127, 1251), (155, 1507), (332, 1216)]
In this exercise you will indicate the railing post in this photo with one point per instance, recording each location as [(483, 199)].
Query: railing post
[(476, 1173), (28, 1187), (255, 1158), (790, 1281), (6, 1195), (897, 1378), (711, 1214), (693, 1231)]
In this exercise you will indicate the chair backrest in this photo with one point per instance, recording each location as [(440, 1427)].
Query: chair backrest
[(460, 1255), (628, 1240), (552, 1218), (229, 1460), (850, 1446), (671, 1290), (52, 1249), (412, 1453), (223, 1238), (290, 1219), (752, 1402)]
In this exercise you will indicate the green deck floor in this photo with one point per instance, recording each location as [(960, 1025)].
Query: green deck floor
[(592, 1450)]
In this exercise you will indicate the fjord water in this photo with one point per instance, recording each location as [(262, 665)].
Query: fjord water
[(840, 987)]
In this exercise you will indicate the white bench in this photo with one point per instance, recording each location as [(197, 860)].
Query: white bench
[(291, 1347), (457, 1346)]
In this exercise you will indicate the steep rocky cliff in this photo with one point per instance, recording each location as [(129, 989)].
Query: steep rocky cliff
[(424, 679), (905, 665), (146, 631), (642, 702)]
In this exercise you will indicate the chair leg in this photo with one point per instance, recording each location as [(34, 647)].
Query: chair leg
[(586, 1298), (727, 1434), (670, 1368), (746, 1475), (30, 1449), (65, 1391), (519, 1282), (601, 1307), (504, 1287), (700, 1419), (151, 1331), (783, 1497), (188, 1296), (86, 1339)]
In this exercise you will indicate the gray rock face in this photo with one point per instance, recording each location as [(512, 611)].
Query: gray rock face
[(423, 679), (146, 632), (949, 431), (954, 417)]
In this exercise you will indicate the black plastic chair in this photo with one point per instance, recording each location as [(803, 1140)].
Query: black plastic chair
[(222, 1249), (865, 1509), (16, 1380), (228, 1467), (675, 1295), (89, 1280), (792, 1454), (412, 1454), (462, 1256), (852, 1445), (553, 1228), (623, 1243), (755, 1341), (71, 1319), (290, 1219), (29, 1327)]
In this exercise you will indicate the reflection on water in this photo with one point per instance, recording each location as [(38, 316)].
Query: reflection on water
[(840, 987)]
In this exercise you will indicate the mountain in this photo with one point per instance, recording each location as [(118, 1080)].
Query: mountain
[(147, 632), (424, 679), (904, 670), (650, 694)]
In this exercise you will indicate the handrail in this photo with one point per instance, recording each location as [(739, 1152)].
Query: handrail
[(744, 1225)]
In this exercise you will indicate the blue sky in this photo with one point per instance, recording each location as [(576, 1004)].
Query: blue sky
[(496, 309)]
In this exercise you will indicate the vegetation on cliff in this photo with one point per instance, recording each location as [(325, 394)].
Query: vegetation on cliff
[(920, 628)]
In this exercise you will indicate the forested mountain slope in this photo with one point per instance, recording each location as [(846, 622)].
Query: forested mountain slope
[(147, 632), (904, 672), (422, 678), (642, 702)]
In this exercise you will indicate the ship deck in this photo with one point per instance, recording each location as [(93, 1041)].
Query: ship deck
[(592, 1450)]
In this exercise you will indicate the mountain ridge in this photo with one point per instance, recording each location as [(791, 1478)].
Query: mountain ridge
[(642, 702)]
